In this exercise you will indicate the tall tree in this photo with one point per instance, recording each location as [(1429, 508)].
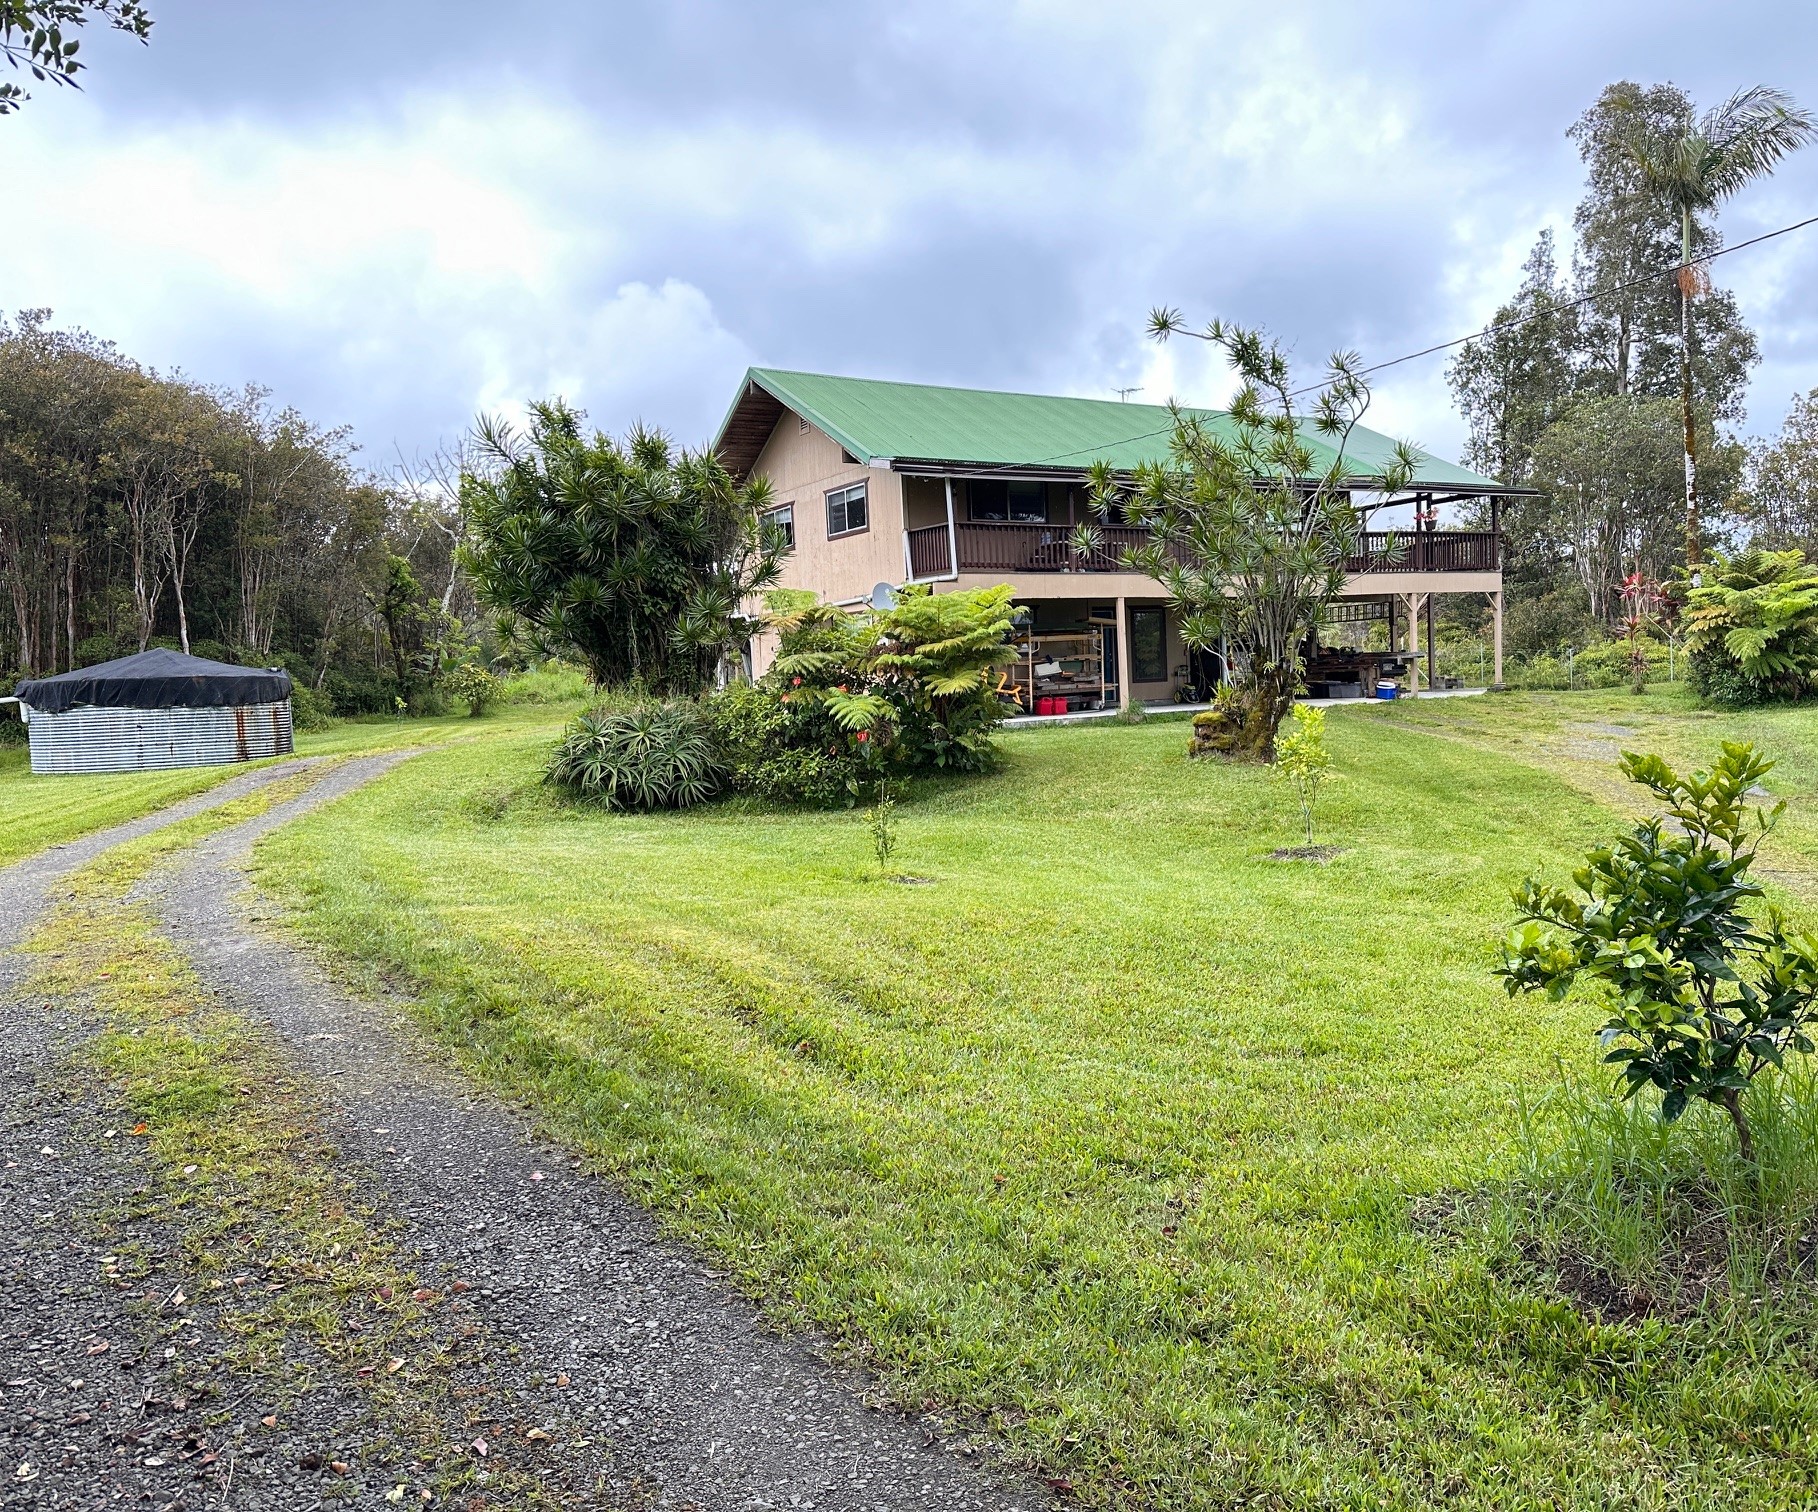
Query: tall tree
[(1780, 505), (1516, 380), (1696, 168), (632, 556), (1250, 524), (1610, 474), (34, 37)]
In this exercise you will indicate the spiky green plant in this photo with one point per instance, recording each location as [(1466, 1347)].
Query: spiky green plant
[(650, 756)]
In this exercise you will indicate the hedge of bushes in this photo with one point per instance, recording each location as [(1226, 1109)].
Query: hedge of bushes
[(848, 700)]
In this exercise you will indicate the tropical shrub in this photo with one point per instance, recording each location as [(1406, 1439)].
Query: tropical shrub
[(784, 750), (630, 556), (1251, 519), (1752, 628), (851, 696), (650, 756), (309, 710), (473, 685), (1705, 992)]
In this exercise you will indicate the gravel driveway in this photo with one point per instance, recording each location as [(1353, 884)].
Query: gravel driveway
[(654, 1383)]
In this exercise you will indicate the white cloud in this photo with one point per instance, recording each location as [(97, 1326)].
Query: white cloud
[(959, 193)]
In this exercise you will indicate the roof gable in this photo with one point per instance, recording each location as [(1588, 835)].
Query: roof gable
[(925, 423)]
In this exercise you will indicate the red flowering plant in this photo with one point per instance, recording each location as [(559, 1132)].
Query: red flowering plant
[(1644, 608)]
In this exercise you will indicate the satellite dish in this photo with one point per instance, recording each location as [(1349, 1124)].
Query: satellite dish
[(883, 596)]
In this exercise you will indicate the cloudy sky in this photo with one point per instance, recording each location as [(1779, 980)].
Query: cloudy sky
[(397, 214)]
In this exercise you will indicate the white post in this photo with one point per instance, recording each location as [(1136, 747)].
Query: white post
[(908, 561), (952, 534), (1496, 604), (1123, 655)]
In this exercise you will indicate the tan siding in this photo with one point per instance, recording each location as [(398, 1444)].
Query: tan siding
[(803, 466)]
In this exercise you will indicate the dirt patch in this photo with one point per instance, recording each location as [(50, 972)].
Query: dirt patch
[(1689, 1277), (913, 881), (1320, 854)]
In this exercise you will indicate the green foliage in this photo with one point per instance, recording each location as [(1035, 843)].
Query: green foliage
[(473, 685), (33, 37), (309, 710), (911, 689), (630, 556), (1249, 533), (1304, 762), (1705, 994), (1752, 627), (550, 682), (651, 756), (786, 751), (1663, 1216)]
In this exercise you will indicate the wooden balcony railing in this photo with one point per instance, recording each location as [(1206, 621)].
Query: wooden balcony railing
[(1012, 548), (1427, 551)]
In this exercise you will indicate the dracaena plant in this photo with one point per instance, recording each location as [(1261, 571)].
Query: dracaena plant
[(1251, 519), (1707, 988)]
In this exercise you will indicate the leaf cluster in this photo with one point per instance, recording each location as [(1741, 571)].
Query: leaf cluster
[(1759, 610), (647, 757), (1705, 990), (629, 556), (34, 37)]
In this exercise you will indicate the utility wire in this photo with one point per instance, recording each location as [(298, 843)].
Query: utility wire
[(1490, 330)]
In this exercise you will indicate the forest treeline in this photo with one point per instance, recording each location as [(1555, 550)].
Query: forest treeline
[(1574, 393), (140, 508)]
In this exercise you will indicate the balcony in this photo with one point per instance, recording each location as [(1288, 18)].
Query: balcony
[(1010, 549)]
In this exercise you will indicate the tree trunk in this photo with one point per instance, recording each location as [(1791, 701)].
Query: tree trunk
[(1745, 1142), (1686, 284)]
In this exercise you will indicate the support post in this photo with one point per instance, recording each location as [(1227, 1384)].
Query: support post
[(1496, 620), (952, 534), (1432, 653), (1123, 655)]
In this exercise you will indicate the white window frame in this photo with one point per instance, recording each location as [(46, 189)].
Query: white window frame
[(846, 496), (783, 517)]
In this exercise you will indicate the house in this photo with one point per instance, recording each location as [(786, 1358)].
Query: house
[(882, 483)]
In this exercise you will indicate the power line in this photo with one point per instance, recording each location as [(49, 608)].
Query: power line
[(1490, 330), (1572, 304)]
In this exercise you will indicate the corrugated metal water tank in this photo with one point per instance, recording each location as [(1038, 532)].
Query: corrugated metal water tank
[(88, 739)]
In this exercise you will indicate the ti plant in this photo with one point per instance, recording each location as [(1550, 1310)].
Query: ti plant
[(1706, 992)]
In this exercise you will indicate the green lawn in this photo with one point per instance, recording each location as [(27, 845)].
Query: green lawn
[(36, 812), (1112, 1135)]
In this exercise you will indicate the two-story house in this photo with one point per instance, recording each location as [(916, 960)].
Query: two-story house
[(880, 483)]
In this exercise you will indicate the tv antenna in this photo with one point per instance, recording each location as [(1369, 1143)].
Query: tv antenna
[(1123, 394)]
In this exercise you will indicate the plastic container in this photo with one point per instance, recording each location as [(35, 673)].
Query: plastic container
[(1386, 690)]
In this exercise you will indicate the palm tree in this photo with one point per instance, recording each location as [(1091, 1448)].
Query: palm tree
[(1706, 162)]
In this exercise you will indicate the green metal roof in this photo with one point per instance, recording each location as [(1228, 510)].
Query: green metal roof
[(919, 422)]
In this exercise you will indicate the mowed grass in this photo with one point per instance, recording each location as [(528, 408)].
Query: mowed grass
[(1114, 1135), (38, 812)]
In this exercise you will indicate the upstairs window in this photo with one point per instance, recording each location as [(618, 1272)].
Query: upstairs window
[(782, 520), (1000, 499), (846, 511)]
